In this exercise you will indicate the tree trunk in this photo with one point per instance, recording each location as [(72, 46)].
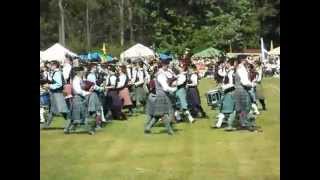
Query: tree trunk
[(121, 7), (62, 34), (130, 6), (88, 27)]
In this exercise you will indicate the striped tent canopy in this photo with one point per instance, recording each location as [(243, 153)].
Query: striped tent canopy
[(210, 52)]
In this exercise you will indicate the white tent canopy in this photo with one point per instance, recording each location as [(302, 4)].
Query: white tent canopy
[(41, 54), (275, 51), (137, 51), (56, 52)]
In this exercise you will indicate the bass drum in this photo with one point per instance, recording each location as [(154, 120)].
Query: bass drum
[(213, 98)]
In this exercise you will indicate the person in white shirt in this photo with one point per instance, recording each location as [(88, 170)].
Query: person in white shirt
[(242, 97), (113, 100), (94, 103), (139, 81), (160, 104), (259, 88), (227, 108), (78, 105), (57, 101), (193, 95), (181, 95), (123, 88)]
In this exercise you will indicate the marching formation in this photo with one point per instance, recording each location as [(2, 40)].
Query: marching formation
[(92, 95)]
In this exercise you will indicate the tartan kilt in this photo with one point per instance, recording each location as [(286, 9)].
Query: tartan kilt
[(193, 97), (242, 99), (158, 105), (94, 103), (228, 103), (181, 96), (58, 103), (259, 91), (140, 94), (114, 103), (125, 96), (78, 108)]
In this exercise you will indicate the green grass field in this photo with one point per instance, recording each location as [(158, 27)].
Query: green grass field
[(122, 151)]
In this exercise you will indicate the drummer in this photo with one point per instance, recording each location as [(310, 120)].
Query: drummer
[(58, 103), (227, 108)]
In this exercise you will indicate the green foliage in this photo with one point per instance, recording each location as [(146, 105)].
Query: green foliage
[(170, 25)]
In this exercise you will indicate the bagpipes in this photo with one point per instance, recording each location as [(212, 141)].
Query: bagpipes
[(86, 85)]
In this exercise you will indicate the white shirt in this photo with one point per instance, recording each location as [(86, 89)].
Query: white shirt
[(163, 80), (222, 72), (66, 70), (140, 77), (112, 80), (194, 80), (122, 80), (76, 87), (244, 76), (230, 83)]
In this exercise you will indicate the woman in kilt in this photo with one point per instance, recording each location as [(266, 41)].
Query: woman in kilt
[(193, 95), (94, 104), (123, 88), (113, 100), (242, 97), (160, 104), (58, 103)]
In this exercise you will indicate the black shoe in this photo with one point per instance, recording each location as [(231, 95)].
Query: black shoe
[(147, 131), (91, 133), (241, 128)]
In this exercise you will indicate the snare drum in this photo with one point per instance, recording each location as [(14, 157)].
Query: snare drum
[(213, 97), (45, 99)]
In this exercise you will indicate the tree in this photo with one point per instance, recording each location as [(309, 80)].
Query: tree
[(61, 29)]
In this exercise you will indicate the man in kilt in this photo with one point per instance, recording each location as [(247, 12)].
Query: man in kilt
[(139, 82), (58, 103), (94, 104), (241, 94), (78, 106), (160, 104), (259, 88), (181, 95), (227, 108)]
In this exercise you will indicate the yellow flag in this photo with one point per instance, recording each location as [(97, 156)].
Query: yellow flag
[(104, 48)]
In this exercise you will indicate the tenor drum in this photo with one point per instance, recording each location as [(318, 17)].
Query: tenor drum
[(213, 97), (45, 99)]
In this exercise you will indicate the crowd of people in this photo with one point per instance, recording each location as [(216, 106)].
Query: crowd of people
[(92, 95)]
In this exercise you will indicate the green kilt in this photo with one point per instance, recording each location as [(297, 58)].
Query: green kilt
[(94, 103), (158, 105), (228, 103), (58, 103), (242, 99), (78, 108), (181, 96), (259, 91), (140, 94)]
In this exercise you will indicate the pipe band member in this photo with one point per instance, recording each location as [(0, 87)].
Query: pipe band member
[(160, 104), (58, 103)]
